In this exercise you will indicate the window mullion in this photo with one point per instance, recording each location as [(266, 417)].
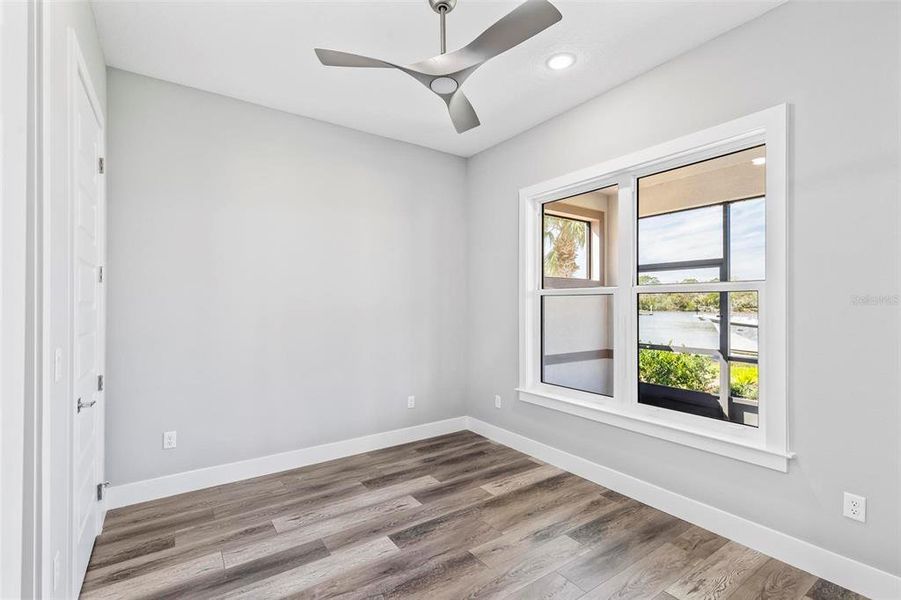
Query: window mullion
[(625, 307), (577, 291), (725, 316), (729, 286)]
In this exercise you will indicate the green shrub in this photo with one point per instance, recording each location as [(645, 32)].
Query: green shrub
[(744, 381), (696, 372), (678, 301), (674, 369)]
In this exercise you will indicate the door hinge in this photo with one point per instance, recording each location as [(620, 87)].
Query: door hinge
[(100, 487), (100, 166), (100, 274), (100, 383)]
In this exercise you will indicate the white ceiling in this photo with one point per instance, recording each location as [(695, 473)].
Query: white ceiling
[(262, 52)]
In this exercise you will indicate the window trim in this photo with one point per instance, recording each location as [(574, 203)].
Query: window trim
[(767, 445)]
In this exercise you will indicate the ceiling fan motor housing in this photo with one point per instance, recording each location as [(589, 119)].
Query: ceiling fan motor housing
[(444, 6)]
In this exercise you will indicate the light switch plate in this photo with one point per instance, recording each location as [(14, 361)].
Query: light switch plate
[(169, 440)]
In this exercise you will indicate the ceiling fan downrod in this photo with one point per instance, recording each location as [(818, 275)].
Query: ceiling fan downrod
[(442, 7)]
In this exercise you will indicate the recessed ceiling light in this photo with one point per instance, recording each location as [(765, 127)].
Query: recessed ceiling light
[(560, 61), (760, 160)]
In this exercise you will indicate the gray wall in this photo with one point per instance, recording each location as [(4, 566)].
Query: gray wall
[(274, 282), (837, 65)]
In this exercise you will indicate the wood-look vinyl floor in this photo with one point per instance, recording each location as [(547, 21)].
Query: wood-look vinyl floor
[(456, 516)]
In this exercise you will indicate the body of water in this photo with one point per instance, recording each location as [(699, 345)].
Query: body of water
[(697, 330)]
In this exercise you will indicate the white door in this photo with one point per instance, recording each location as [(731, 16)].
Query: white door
[(88, 222)]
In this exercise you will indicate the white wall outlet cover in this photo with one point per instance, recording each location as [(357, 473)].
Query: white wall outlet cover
[(169, 440), (497, 401), (411, 401), (855, 507)]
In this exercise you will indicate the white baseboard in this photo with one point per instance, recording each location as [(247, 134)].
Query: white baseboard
[(846, 572), (851, 574), (189, 481)]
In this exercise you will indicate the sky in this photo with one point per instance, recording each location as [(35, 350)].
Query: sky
[(697, 234)]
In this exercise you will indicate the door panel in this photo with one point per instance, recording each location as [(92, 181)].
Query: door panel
[(87, 141)]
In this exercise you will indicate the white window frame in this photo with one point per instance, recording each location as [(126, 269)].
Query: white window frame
[(766, 445)]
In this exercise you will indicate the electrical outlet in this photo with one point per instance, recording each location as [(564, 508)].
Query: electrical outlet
[(411, 401), (497, 401), (855, 507), (169, 440)]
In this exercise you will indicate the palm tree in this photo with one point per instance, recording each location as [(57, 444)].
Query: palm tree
[(565, 238)]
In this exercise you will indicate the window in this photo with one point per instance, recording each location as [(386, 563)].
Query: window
[(653, 291), (699, 224), (577, 342), (576, 309), (574, 236)]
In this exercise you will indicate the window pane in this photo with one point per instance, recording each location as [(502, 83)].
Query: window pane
[(687, 217), (704, 275), (743, 324), (679, 319), (577, 342), (747, 238), (578, 240), (690, 380)]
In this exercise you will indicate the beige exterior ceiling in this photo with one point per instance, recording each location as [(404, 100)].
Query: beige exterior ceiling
[(596, 200), (730, 177)]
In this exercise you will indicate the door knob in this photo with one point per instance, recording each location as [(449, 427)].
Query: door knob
[(85, 404)]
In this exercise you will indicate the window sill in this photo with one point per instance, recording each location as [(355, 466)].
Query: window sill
[(694, 438)]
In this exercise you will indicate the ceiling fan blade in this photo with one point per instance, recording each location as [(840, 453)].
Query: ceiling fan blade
[(525, 21), (334, 58), (462, 114)]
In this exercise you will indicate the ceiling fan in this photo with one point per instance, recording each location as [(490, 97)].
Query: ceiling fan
[(445, 73)]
